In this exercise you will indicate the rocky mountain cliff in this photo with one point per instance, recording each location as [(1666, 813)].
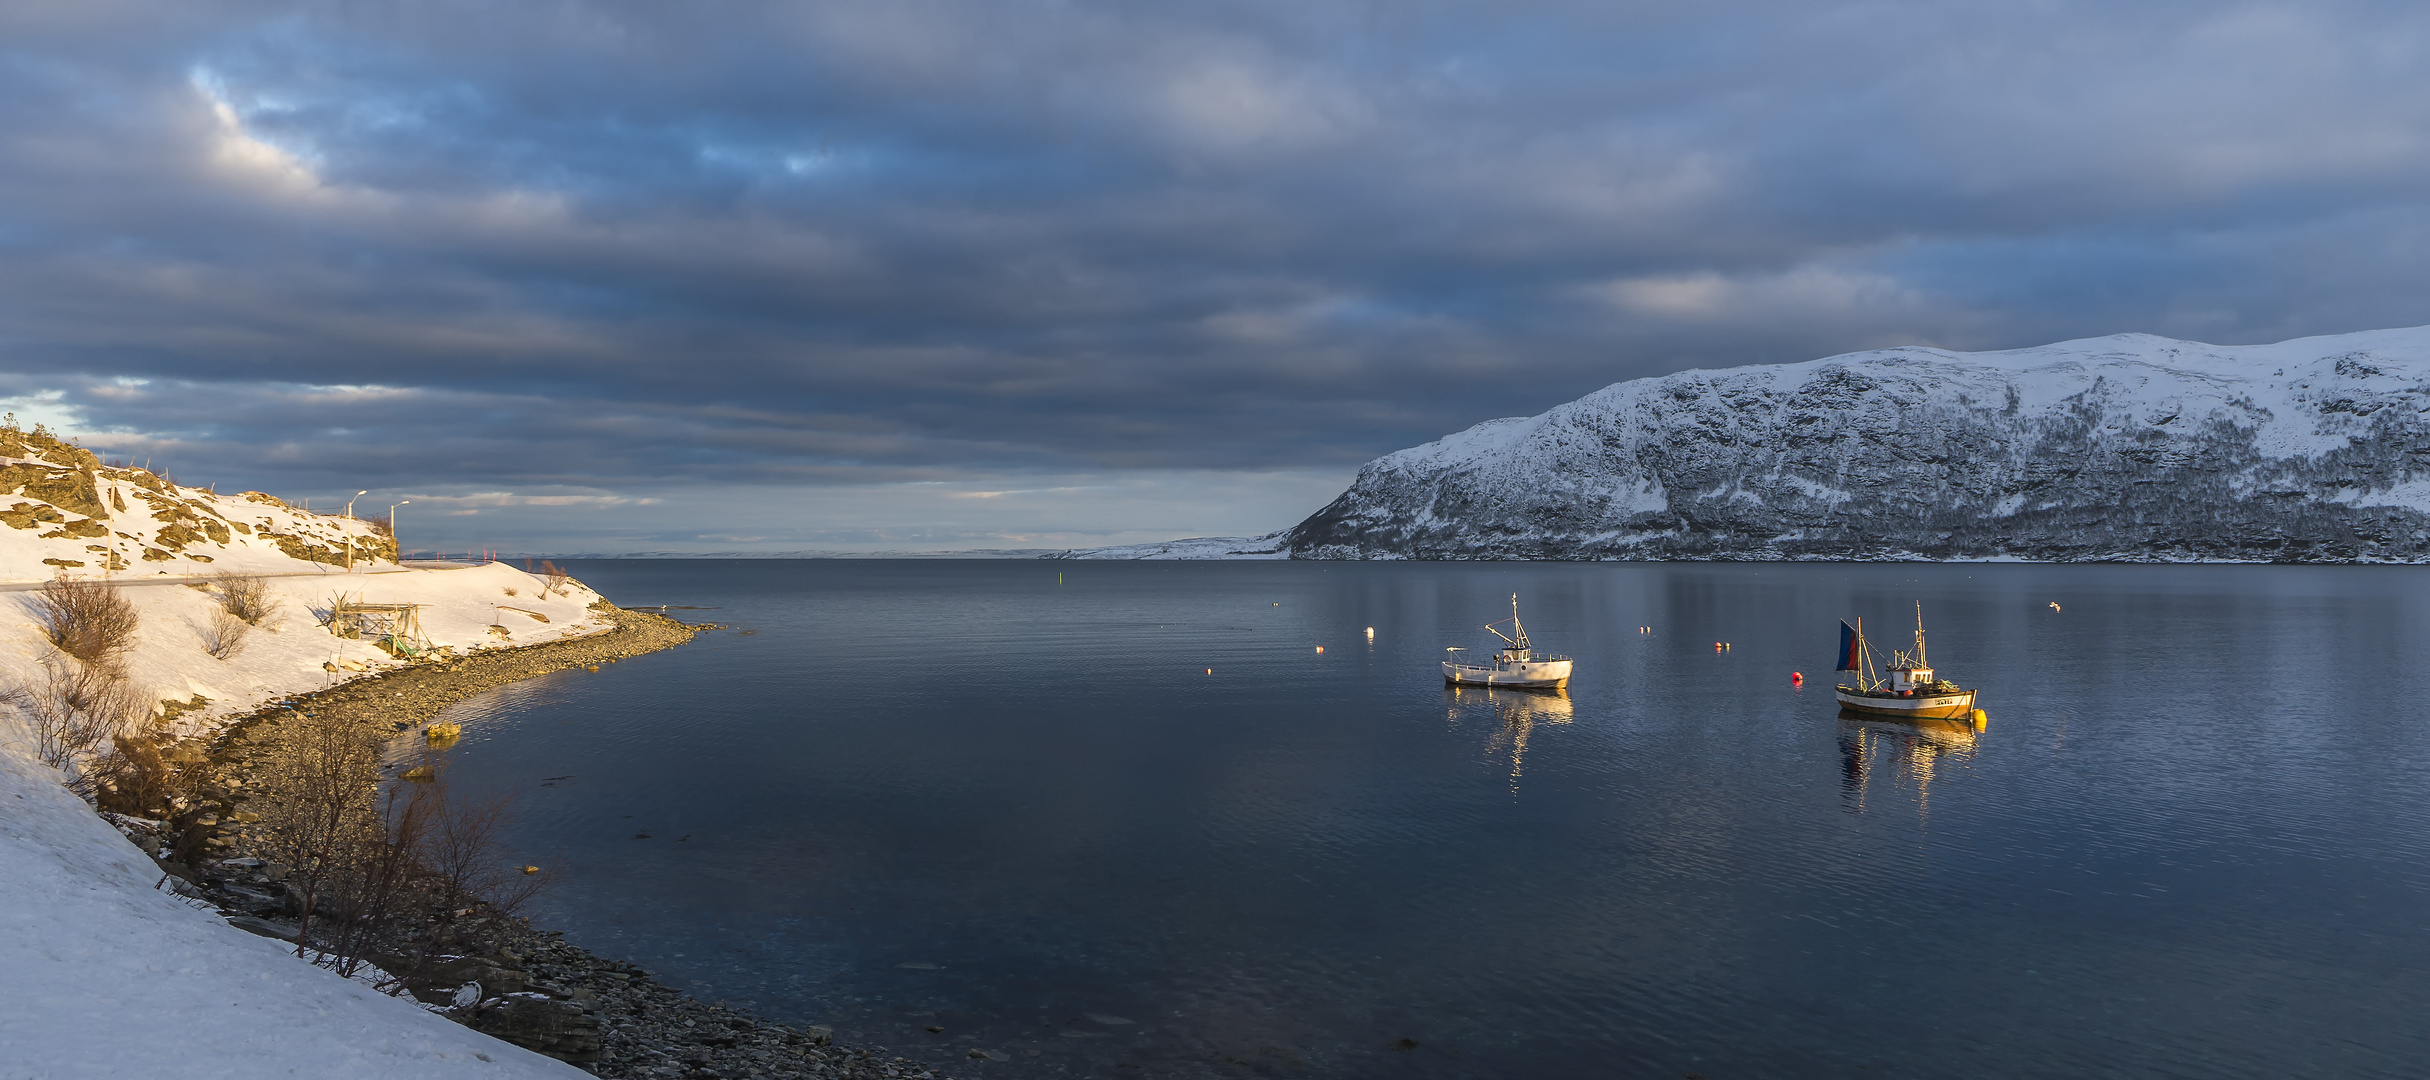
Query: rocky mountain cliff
[(2130, 447)]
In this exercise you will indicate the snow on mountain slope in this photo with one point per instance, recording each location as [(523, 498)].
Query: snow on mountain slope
[(2125, 447)]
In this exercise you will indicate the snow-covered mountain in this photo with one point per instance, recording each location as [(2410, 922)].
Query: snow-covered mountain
[(2130, 447), (2125, 447)]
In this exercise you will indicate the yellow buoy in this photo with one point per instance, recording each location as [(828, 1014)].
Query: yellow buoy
[(1980, 721)]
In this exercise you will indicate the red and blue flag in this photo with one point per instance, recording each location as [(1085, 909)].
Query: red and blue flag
[(1848, 658)]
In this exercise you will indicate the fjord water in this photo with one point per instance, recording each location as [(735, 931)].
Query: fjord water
[(1008, 799)]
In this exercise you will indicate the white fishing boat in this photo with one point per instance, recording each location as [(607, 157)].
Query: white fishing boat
[(1515, 664), (1911, 691)]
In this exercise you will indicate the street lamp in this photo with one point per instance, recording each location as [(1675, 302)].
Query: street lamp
[(350, 517), (392, 530)]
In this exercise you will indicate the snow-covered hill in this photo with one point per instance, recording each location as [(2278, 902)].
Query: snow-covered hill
[(104, 974), (67, 511), (2125, 447)]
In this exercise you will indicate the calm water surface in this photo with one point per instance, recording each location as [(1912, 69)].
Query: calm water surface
[(1009, 799)]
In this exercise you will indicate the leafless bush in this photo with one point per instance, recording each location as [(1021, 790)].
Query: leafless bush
[(381, 526), (73, 708), (321, 814), (87, 619), (557, 578), (246, 596), (410, 875), (225, 635)]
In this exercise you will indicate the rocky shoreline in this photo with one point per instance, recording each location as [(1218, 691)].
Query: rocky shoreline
[(524, 985)]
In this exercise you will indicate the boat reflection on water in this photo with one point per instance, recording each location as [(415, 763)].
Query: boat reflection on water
[(1512, 716), (1911, 748)]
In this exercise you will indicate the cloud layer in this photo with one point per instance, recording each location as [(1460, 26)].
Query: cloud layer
[(830, 260)]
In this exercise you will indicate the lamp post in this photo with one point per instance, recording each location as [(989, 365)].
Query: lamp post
[(392, 530), (350, 540)]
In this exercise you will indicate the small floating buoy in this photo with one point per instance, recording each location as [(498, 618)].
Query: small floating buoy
[(1210, 671), (2054, 605), (531, 869), (1320, 648), (1716, 646), (1798, 677), (1980, 721), (1371, 633)]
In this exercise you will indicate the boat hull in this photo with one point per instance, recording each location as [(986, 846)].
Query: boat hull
[(1525, 674), (1951, 706)]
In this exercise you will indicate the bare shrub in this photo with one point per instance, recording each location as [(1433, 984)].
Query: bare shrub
[(464, 875), (73, 708), (246, 596), (558, 577), (87, 619), (378, 887), (322, 778), (407, 877), (226, 634), (381, 526)]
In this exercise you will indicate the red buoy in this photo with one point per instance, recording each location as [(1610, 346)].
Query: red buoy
[(1798, 677)]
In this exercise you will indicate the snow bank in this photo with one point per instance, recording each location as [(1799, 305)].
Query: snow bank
[(103, 976)]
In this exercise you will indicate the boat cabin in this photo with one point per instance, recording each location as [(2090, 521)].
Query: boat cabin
[(1905, 679)]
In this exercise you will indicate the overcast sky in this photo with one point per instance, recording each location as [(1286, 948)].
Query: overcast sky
[(910, 274)]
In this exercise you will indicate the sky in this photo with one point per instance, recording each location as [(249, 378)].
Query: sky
[(931, 275)]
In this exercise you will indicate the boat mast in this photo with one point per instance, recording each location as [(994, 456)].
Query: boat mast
[(1515, 628), (1919, 636), (1864, 652)]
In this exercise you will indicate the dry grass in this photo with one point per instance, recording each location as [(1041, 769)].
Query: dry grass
[(151, 775), (558, 577), (87, 619)]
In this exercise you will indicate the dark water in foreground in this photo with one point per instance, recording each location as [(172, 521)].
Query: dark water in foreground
[(2191, 842)]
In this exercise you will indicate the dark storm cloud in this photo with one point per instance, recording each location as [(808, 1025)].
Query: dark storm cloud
[(627, 249)]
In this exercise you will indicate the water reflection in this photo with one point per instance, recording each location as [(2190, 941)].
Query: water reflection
[(1911, 748), (1512, 716)]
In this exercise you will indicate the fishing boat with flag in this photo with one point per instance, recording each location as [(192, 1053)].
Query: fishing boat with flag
[(1515, 664), (1907, 688)]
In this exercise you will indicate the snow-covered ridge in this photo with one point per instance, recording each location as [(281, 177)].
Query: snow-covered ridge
[(2123, 447)]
